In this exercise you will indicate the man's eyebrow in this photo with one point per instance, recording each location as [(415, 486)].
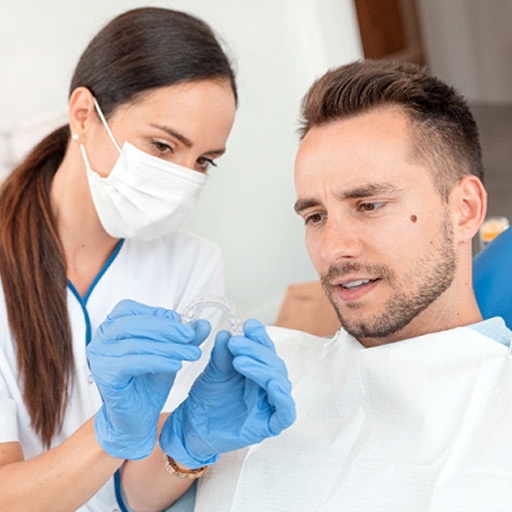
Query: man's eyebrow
[(304, 204), (368, 190), (359, 192)]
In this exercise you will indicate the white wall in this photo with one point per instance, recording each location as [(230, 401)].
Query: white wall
[(280, 47), (469, 44)]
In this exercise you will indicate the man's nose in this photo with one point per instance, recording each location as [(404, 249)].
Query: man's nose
[(340, 241)]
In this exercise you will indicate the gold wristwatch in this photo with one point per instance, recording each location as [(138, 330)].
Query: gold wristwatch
[(173, 469)]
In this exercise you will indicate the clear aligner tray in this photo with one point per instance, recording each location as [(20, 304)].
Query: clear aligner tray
[(193, 310)]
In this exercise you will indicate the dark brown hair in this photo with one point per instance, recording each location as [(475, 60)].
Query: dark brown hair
[(444, 133), (137, 51)]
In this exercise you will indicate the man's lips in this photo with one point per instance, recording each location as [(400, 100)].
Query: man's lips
[(354, 288), (351, 281)]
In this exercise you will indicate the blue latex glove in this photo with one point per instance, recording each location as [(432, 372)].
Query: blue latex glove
[(242, 397), (134, 357)]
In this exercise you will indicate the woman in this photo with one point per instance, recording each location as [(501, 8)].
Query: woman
[(91, 217)]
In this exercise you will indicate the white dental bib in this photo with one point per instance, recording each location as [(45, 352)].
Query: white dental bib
[(418, 425)]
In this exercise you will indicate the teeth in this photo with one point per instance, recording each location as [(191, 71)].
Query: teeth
[(355, 284)]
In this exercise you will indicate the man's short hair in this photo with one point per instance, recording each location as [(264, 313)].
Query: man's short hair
[(445, 134)]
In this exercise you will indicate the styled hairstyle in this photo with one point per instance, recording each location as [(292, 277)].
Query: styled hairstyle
[(444, 132), (137, 51)]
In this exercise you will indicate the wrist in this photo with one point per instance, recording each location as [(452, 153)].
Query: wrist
[(178, 470), (119, 443), (177, 445)]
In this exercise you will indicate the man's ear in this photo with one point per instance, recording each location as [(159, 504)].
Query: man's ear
[(81, 110), (469, 205)]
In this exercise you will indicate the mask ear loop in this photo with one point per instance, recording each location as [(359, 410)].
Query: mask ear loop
[(105, 124), (86, 160), (192, 311)]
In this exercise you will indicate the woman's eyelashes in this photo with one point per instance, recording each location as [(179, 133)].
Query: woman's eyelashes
[(162, 149), (205, 163), (165, 150)]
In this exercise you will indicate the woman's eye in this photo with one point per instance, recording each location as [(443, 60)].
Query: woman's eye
[(205, 163), (161, 148)]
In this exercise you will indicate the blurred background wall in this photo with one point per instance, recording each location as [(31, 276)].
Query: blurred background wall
[(279, 47)]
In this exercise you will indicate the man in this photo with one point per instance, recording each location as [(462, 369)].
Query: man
[(408, 407)]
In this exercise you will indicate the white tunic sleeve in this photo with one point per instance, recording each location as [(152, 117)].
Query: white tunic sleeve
[(8, 423), (10, 391)]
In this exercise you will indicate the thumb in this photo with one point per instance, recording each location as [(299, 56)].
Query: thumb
[(202, 329), (221, 359)]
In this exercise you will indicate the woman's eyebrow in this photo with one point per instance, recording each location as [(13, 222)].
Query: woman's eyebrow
[(173, 133), (185, 140)]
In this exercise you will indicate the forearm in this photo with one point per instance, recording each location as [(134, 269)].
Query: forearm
[(147, 485), (59, 480)]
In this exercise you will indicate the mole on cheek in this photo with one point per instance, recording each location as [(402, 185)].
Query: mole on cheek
[(414, 218)]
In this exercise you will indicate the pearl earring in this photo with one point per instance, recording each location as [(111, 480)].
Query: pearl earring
[(75, 136)]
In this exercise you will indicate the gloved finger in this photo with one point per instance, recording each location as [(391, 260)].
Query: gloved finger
[(262, 373), (143, 347), (144, 326), (255, 330), (277, 387), (221, 359), (285, 413), (242, 346), (119, 372), (202, 328), (129, 307)]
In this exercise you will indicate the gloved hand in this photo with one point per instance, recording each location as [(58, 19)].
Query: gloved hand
[(242, 397), (134, 357)]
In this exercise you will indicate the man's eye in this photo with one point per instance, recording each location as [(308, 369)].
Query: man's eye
[(371, 207), (314, 218)]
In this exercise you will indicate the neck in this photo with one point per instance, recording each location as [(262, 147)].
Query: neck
[(85, 243)]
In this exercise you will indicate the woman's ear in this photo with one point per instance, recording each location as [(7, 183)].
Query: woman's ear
[(81, 111), (469, 202)]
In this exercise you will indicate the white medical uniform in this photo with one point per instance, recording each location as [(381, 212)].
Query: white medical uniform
[(170, 272), (419, 425)]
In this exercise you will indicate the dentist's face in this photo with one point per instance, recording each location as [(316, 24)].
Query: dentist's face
[(186, 123), (377, 230)]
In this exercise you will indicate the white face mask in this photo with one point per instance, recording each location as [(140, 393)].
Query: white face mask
[(143, 197)]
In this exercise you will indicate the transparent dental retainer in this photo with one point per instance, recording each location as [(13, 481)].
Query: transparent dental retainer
[(233, 315)]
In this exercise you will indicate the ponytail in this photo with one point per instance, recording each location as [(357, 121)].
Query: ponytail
[(33, 273)]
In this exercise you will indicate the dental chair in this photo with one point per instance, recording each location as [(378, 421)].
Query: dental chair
[(492, 278), (306, 308)]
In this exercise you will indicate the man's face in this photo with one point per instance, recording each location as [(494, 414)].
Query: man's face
[(377, 230)]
